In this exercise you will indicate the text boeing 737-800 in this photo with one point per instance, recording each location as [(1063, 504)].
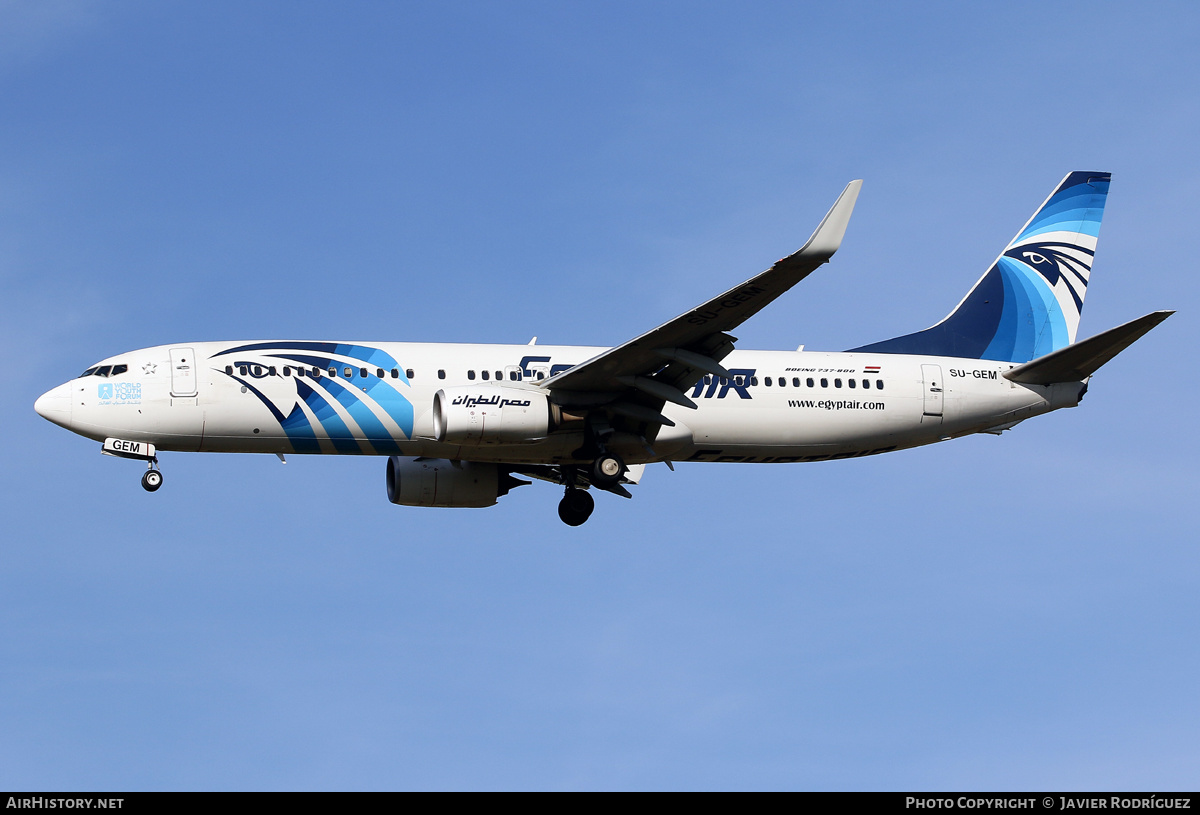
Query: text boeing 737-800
[(460, 422)]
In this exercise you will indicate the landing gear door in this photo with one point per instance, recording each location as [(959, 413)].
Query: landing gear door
[(183, 372), (932, 377)]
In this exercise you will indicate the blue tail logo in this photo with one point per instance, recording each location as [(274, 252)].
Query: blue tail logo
[(1029, 301)]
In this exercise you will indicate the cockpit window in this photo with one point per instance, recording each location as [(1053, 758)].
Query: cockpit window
[(105, 370)]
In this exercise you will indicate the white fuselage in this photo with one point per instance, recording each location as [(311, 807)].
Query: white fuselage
[(250, 397)]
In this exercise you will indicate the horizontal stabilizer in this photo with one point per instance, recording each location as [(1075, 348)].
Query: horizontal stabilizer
[(1079, 361)]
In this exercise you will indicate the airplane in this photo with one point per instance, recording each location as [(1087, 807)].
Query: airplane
[(463, 424)]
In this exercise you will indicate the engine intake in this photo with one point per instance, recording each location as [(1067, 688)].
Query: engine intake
[(491, 414)]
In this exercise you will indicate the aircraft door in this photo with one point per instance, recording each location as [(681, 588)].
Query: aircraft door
[(183, 372), (932, 377)]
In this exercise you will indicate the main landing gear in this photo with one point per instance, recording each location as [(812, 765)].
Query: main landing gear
[(152, 479), (604, 473), (576, 506), (607, 470)]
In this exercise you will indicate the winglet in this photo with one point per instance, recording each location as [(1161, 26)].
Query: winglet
[(828, 237), (1082, 359), (702, 333)]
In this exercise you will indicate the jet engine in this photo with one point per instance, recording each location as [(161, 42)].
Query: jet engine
[(491, 414), (436, 482)]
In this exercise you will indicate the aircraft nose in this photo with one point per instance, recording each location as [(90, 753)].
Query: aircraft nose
[(55, 405)]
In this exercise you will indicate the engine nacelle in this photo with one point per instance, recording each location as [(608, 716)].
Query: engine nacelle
[(436, 482), (491, 414)]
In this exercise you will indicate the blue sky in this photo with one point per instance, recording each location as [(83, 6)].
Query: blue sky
[(1003, 613)]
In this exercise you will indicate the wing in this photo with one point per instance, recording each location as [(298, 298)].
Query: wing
[(634, 379)]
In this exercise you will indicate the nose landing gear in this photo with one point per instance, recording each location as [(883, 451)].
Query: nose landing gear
[(140, 450), (152, 479)]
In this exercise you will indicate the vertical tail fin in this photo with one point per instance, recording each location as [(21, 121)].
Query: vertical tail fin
[(1028, 303)]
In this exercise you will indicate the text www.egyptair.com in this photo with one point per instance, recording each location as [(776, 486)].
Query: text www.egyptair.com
[(831, 404)]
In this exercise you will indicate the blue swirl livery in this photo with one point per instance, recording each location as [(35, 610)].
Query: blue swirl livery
[(1028, 303), (371, 406)]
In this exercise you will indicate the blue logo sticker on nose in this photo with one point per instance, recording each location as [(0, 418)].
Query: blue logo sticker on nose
[(106, 391)]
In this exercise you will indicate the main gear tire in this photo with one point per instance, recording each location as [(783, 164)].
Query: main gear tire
[(576, 507), (607, 470)]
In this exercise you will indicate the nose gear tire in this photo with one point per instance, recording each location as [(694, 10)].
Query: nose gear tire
[(152, 480)]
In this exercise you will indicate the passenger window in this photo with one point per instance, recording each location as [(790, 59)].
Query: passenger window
[(333, 372), (316, 372), (852, 383), (347, 372), (795, 381), (287, 370), (824, 383), (362, 372), (499, 375), (809, 382), (754, 381), (395, 373), (441, 374), (379, 373), (271, 370), (867, 383), (228, 370), (258, 370), (300, 372), (471, 375), (837, 383), (879, 384), (512, 375), (767, 381), (409, 373), (485, 374), (708, 379)]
